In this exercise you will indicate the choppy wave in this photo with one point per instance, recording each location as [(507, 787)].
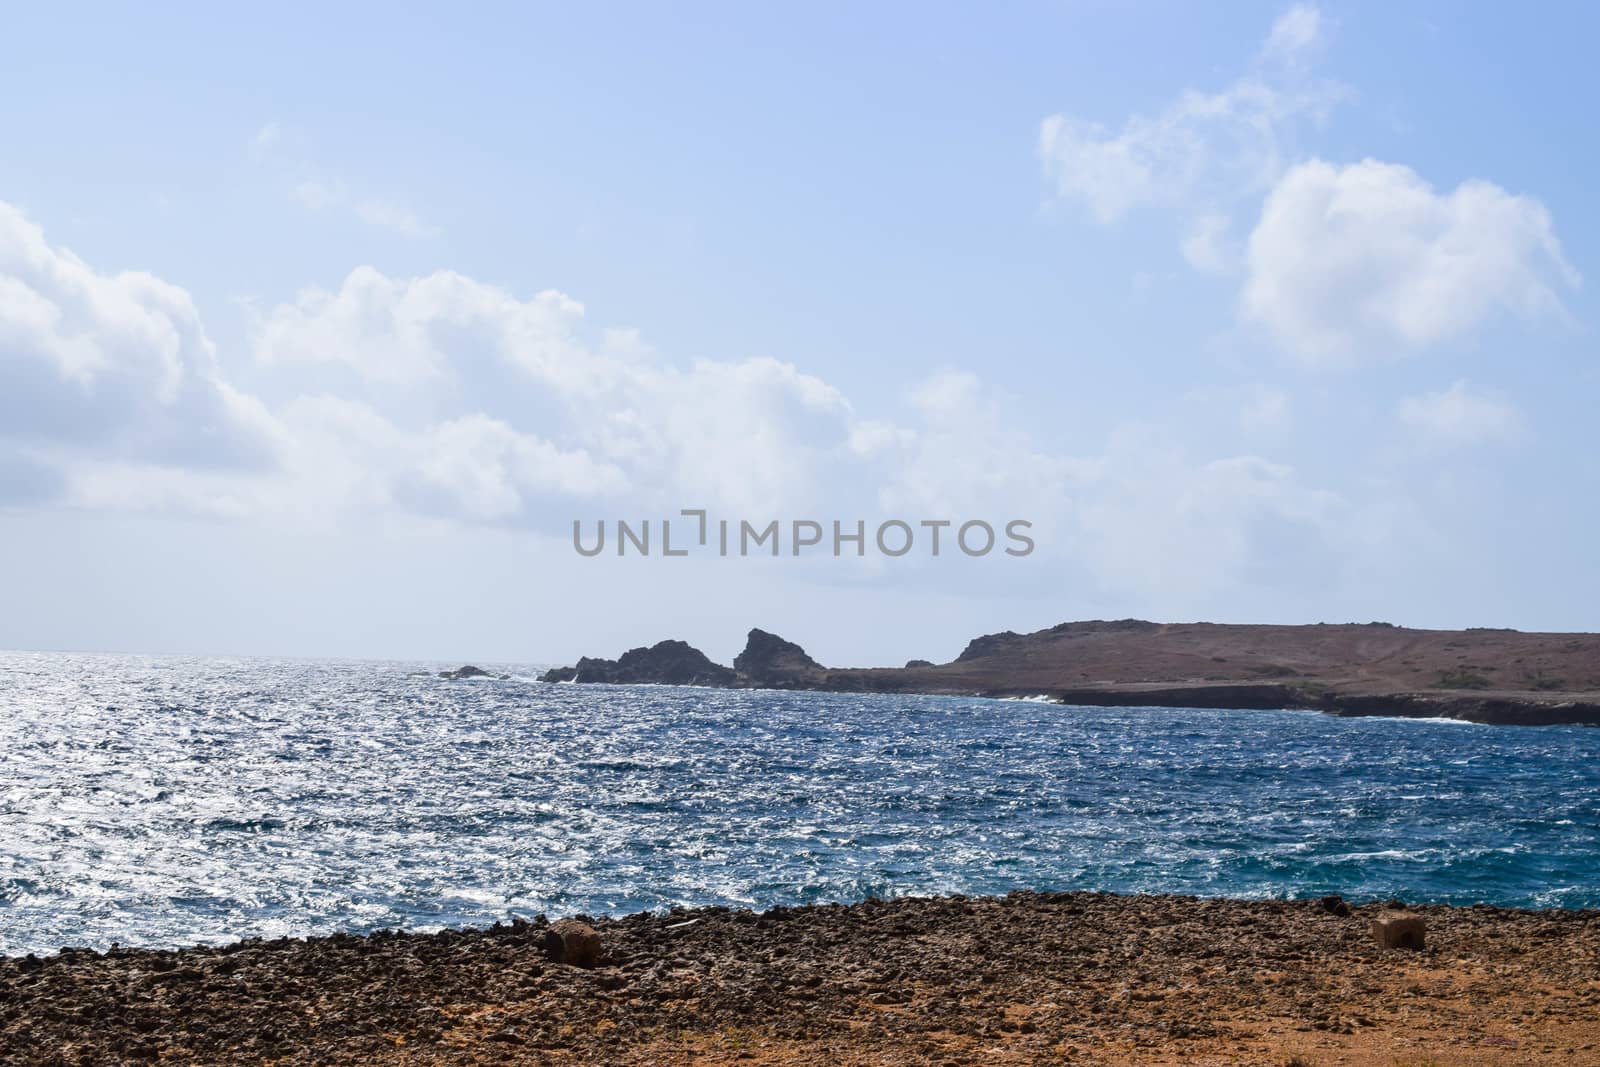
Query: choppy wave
[(150, 800)]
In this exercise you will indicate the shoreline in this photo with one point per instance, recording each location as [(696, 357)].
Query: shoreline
[(1416, 707), (1089, 978)]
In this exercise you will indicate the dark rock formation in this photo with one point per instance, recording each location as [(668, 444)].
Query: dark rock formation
[(664, 663), (913, 663), (1506, 711), (1009, 641), (461, 673), (771, 662), (989, 644)]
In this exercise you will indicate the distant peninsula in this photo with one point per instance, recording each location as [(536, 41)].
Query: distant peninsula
[(1478, 675)]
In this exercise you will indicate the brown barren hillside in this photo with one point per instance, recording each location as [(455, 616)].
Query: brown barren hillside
[(1370, 658), (1485, 675)]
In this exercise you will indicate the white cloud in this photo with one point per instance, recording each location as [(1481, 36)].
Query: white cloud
[(1296, 32), (962, 453), (755, 435), (1345, 264), (318, 195), (1461, 415), (759, 438), (314, 188), (409, 330), (111, 361), (749, 433), (1215, 146), (392, 215), (462, 403), (1367, 261), (487, 470)]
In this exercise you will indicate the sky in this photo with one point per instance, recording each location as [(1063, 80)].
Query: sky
[(320, 328)]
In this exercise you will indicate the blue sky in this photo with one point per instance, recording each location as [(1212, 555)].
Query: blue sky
[(318, 329)]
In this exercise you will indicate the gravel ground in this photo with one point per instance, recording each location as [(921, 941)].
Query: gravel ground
[(1028, 978)]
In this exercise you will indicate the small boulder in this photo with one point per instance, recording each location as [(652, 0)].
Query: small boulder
[(1335, 905), (572, 942), (1399, 929)]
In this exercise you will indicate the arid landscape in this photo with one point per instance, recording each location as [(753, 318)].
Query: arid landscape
[(1483, 675), (1028, 978)]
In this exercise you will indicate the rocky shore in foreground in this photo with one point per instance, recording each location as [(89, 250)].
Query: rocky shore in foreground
[(1028, 978), (1493, 676)]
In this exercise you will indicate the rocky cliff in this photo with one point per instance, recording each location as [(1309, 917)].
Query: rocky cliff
[(664, 663), (767, 662), (770, 662), (1481, 675)]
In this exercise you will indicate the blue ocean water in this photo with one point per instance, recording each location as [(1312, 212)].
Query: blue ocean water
[(166, 801)]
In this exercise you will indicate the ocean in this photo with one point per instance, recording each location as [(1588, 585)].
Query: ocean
[(164, 801)]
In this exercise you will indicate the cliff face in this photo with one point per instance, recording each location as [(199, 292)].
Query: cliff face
[(1491, 676), (770, 662), (1498, 711)]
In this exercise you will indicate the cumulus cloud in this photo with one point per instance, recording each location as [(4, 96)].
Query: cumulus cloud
[(747, 433), (961, 452), (408, 330), (113, 362), (473, 466), (1463, 414), (458, 402), (1367, 261), (758, 437), (1209, 145), (1344, 264)]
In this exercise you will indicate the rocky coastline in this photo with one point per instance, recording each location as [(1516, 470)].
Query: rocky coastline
[(1079, 978), (1497, 677)]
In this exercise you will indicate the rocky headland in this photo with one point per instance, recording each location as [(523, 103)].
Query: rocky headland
[(1480, 675), (664, 663), (1074, 978)]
